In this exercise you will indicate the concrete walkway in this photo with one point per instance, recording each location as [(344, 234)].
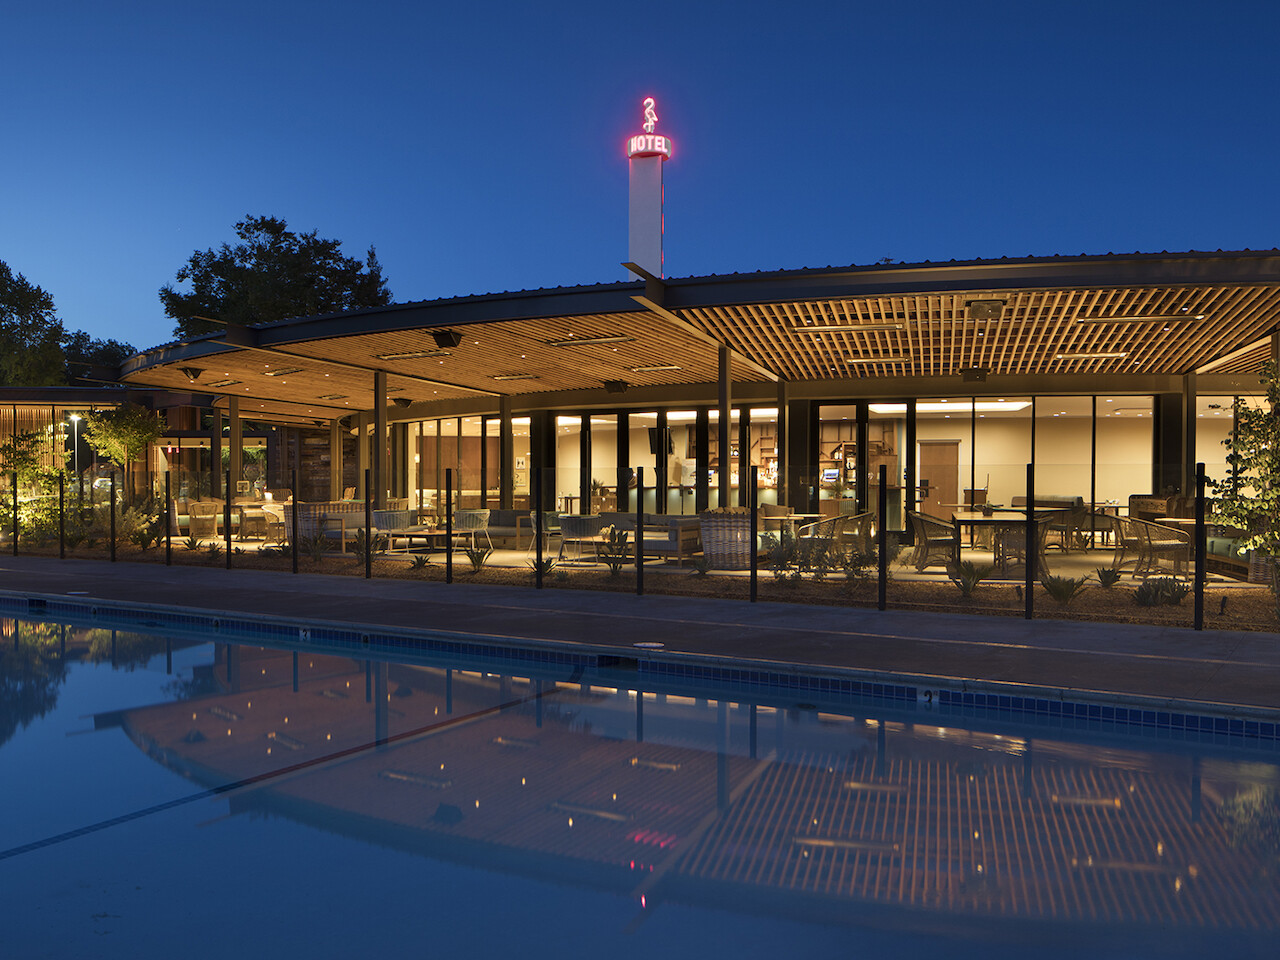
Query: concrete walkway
[(1176, 666)]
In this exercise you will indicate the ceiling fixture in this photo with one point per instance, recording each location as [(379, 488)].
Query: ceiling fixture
[(655, 368), (446, 338), (283, 371), (1091, 356), (1153, 319), (588, 341), (191, 373), (615, 386), (413, 355), (885, 359), (984, 309), (515, 376), (224, 383), (333, 396), (848, 327)]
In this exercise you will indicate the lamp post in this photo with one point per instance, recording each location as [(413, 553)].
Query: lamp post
[(75, 456), (75, 442)]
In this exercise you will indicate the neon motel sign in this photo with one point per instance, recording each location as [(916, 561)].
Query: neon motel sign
[(649, 144)]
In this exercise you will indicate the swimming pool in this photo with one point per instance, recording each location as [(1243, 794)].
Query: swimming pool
[(173, 796)]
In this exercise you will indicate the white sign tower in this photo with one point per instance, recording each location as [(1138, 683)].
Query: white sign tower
[(647, 152)]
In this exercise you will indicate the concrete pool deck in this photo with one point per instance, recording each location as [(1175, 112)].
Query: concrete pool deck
[(1178, 666)]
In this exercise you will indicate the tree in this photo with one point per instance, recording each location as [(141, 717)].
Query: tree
[(82, 351), (1249, 497), (272, 274), (30, 334), (122, 435)]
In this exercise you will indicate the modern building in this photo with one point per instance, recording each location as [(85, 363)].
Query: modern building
[(1113, 374)]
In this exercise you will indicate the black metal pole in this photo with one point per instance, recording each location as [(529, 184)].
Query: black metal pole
[(882, 539), (169, 514), (448, 524), (755, 526), (1030, 586), (368, 524), (113, 516), (226, 519), (62, 524), (293, 514), (537, 528), (15, 513), (1200, 572), (639, 531)]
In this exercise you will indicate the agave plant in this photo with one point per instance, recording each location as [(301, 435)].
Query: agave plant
[(1063, 589), (1107, 576), (614, 551), (1157, 590), (967, 575), (478, 556)]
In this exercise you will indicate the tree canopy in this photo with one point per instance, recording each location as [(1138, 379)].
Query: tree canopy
[(271, 274), (123, 434), (30, 334), (82, 352)]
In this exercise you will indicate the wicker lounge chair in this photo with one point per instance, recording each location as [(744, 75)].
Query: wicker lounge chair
[(937, 542)]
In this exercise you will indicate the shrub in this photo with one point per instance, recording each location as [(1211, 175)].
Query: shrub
[(967, 575), (478, 556), (420, 562), (1107, 576), (1157, 590), (546, 566), (1063, 589), (615, 552)]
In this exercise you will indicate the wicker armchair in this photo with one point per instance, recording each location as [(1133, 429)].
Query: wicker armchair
[(726, 538), (937, 542), (1162, 543), (842, 535), (203, 519)]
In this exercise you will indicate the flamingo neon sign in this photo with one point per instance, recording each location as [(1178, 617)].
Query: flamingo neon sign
[(649, 144)]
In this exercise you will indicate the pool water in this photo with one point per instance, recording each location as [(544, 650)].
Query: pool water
[(183, 798)]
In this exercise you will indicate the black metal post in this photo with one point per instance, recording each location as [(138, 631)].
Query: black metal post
[(368, 525), (62, 523), (639, 531), (1200, 573), (293, 538), (1030, 585), (15, 513), (537, 529), (882, 539), (169, 515), (226, 519), (754, 501), (113, 517), (448, 524)]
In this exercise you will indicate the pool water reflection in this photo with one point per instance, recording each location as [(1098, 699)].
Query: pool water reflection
[(260, 797)]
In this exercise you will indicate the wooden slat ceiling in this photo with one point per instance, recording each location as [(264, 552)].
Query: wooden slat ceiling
[(1039, 332)]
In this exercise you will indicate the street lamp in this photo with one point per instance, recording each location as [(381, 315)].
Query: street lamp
[(75, 449)]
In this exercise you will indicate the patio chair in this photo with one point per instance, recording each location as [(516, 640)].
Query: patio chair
[(577, 529), (202, 519), (550, 528), (841, 536), (275, 531), (1010, 544), (468, 523), (937, 542), (1164, 543), (1130, 544)]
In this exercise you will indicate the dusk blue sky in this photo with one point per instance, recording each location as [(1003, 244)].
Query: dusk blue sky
[(479, 146)]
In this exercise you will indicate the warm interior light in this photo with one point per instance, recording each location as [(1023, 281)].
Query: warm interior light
[(944, 406)]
